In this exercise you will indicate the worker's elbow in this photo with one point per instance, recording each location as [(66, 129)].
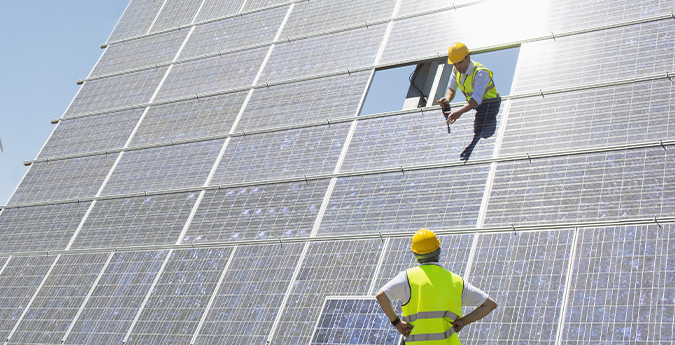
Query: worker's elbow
[(491, 304)]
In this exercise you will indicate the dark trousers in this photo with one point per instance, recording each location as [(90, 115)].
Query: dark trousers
[(484, 125)]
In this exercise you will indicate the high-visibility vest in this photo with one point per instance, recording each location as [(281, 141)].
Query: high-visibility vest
[(470, 82), (435, 302)]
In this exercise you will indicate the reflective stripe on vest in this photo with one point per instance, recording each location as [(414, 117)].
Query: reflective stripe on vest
[(470, 82), (435, 301)]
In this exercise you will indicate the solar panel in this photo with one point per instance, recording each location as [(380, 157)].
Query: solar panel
[(614, 118), (203, 117), (277, 155), (212, 9), (179, 298), (233, 33), (612, 54), (407, 201), (615, 185), (63, 179), (91, 134), (525, 273), (116, 92), (622, 276), (40, 228), (163, 168), (319, 16), (324, 54), (353, 321), (251, 292), (214, 74), (142, 52), (140, 221), (175, 13), (19, 280), (284, 210), (115, 301), (57, 303), (258, 4), (136, 19), (303, 102)]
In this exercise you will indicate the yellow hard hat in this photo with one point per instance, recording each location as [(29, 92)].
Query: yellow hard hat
[(424, 241), (457, 52)]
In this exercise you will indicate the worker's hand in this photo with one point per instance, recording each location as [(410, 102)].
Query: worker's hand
[(454, 116), (404, 328), (458, 324), (445, 105)]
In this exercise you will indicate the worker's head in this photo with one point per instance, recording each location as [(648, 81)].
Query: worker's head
[(426, 246), (458, 55)]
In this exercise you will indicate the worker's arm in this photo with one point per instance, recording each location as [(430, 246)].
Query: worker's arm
[(488, 306), (402, 327), (458, 112)]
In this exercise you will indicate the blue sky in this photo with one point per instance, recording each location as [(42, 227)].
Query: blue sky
[(45, 46)]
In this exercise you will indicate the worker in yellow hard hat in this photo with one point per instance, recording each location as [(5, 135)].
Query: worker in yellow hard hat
[(432, 297), (475, 82)]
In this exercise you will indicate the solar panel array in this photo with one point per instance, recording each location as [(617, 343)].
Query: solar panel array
[(212, 183)]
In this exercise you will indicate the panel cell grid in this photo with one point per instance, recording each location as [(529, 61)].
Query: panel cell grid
[(214, 74), (136, 19), (108, 314), (277, 155), (257, 4), (39, 228), (417, 138), (611, 185), (324, 54), (249, 297), (525, 274), (394, 202), (63, 179), (305, 102), (455, 251), (622, 286), (569, 15), (179, 298), (342, 268), (213, 9), (164, 168), (57, 303), (142, 52), (257, 212), (91, 134), (140, 221), (176, 13), (353, 321), (202, 117), (18, 283), (614, 115), (324, 15), (418, 6), (237, 32), (626, 52), (115, 92)]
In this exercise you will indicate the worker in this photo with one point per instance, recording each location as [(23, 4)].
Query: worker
[(475, 82), (432, 297)]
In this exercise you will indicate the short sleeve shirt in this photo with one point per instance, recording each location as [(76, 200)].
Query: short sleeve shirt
[(399, 289)]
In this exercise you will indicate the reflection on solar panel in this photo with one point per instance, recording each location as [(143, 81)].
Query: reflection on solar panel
[(353, 321), (230, 194)]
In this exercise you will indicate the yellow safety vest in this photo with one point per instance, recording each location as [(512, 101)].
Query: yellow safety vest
[(470, 82), (435, 302)]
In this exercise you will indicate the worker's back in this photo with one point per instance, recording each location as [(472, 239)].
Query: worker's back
[(435, 301)]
